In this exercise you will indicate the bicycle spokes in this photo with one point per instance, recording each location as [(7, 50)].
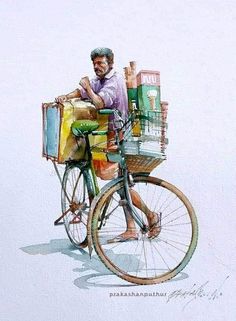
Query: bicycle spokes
[(75, 205), (150, 255)]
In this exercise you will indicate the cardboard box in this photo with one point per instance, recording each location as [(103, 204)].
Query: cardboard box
[(149, 95), (59, 144)]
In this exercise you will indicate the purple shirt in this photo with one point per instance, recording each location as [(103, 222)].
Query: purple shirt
[(112, 89)]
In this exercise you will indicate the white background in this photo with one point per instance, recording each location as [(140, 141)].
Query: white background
[(45, 48)]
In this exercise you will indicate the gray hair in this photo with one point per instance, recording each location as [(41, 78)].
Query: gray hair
[(101, 52)]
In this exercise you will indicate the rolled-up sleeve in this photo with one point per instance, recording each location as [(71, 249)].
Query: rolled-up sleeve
[(108, 93), (83, 93)]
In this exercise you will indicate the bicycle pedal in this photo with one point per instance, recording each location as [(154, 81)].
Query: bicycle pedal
[(58, 223)]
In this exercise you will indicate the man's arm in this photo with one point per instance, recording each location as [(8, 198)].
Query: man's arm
[(96, 99), (73, 94)]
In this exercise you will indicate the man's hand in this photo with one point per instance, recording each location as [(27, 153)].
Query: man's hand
[(96, 99), (85, 83), (61, 99)]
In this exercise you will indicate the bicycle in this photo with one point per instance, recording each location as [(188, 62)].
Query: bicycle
[(95, 217)]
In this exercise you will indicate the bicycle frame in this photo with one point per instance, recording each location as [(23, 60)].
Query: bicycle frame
[(92, 183), (124, 176)]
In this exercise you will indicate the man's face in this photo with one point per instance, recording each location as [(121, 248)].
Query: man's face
[(101, 66)]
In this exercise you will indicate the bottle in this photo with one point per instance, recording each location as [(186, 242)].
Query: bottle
[(136, 130)]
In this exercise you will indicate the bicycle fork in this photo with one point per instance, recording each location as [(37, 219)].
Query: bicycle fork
[(128, 202)]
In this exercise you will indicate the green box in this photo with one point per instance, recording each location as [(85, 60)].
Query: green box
[(149, 97)]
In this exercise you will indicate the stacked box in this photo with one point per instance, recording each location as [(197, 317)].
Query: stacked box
[(145, 141), (148, 83)]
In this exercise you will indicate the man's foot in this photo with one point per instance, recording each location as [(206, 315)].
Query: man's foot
[(124, 237), (154, 225)]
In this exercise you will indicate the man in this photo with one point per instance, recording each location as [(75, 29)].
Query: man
[(108, 90)]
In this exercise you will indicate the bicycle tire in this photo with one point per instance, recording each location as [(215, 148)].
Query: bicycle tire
[(75, 203), (178, 236)]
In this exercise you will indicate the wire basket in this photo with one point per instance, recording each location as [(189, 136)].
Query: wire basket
[(145, 141)]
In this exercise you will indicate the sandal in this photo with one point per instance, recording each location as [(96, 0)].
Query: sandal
[(121, 238), (154, 228)]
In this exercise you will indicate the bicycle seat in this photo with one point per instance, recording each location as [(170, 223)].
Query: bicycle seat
[(83, 126)]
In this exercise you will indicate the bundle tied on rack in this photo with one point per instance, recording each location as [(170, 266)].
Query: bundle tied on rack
[(145, 137)]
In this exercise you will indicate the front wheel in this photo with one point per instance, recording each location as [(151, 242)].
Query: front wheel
[(145, 260)]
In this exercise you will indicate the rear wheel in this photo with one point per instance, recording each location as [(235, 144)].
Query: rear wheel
[(75, 203), (145, 260)]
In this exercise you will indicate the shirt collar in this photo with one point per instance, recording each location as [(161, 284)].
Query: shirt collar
[(109, 75)]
